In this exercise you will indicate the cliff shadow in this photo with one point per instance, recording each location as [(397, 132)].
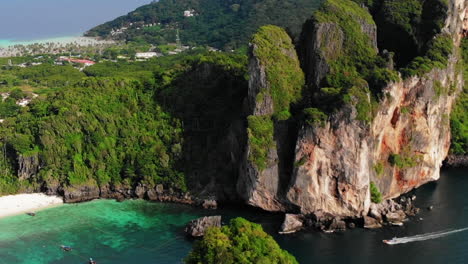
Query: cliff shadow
[(209, 101)]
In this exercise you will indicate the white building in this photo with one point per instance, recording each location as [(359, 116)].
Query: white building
[(23, 102), (189, 13), (146, 55)]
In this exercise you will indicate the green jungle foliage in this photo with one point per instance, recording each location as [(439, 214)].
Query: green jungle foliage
[(439, 50), (406, 26), (459, 116), (41, 75), (376, 196), (283, 72), (103, 131), (221, 24), (356, 70), (114, 127), (239, 242)]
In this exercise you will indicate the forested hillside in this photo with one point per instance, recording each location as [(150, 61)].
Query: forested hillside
[(226, 24), (118, 124)]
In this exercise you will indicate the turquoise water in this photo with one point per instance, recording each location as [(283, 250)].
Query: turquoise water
[(26, 20), (144, 232), (106, 230)]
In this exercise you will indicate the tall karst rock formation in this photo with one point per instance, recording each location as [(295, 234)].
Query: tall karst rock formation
[(320, 135)]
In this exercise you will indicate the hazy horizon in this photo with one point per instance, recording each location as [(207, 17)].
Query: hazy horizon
[(42, 19)]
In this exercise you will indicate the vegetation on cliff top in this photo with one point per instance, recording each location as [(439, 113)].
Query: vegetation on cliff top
[(221, 24), (459, 116), (275, 51), (357, 72), (239, 242), (410, 28), (438, 51), (406, 26)]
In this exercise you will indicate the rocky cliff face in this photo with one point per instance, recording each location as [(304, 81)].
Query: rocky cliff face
[(259, 187), (413, 124), (263, 169), (334, 174), (28, 166), (400, 149)]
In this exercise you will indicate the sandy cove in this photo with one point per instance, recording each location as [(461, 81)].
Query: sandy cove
[(22, 203)]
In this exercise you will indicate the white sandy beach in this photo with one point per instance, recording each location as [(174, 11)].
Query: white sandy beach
[(61, 41), (16, 48), (22, 203)]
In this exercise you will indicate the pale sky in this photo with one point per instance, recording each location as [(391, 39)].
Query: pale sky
[(36, 19)]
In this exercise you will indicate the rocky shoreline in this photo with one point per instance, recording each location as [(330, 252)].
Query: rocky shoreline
[(392, 212), (157, 193), (456, 161)]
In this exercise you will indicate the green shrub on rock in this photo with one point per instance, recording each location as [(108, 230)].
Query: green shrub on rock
[(315, 117), (260, 135), (459, 115), (402, 161), (376, 196)]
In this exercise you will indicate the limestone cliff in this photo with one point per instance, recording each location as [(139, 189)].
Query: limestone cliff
[(276, 81), (28, 166), (396, 137)]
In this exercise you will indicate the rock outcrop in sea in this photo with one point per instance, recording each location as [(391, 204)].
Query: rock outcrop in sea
[(198, 227)]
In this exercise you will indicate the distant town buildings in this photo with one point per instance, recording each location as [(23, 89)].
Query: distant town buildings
[(118, 31), (85, 62), (147, 55)]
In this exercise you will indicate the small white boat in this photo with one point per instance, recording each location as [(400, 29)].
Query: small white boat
[(396, 223), (391, 241)]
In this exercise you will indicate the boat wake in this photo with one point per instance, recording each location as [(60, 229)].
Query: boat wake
[(403, 240)]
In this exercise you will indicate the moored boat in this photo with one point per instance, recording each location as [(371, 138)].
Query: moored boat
[(66, 248)]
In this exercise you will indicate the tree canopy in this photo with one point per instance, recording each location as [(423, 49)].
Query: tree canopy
[(239, 242), (221, 24)]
